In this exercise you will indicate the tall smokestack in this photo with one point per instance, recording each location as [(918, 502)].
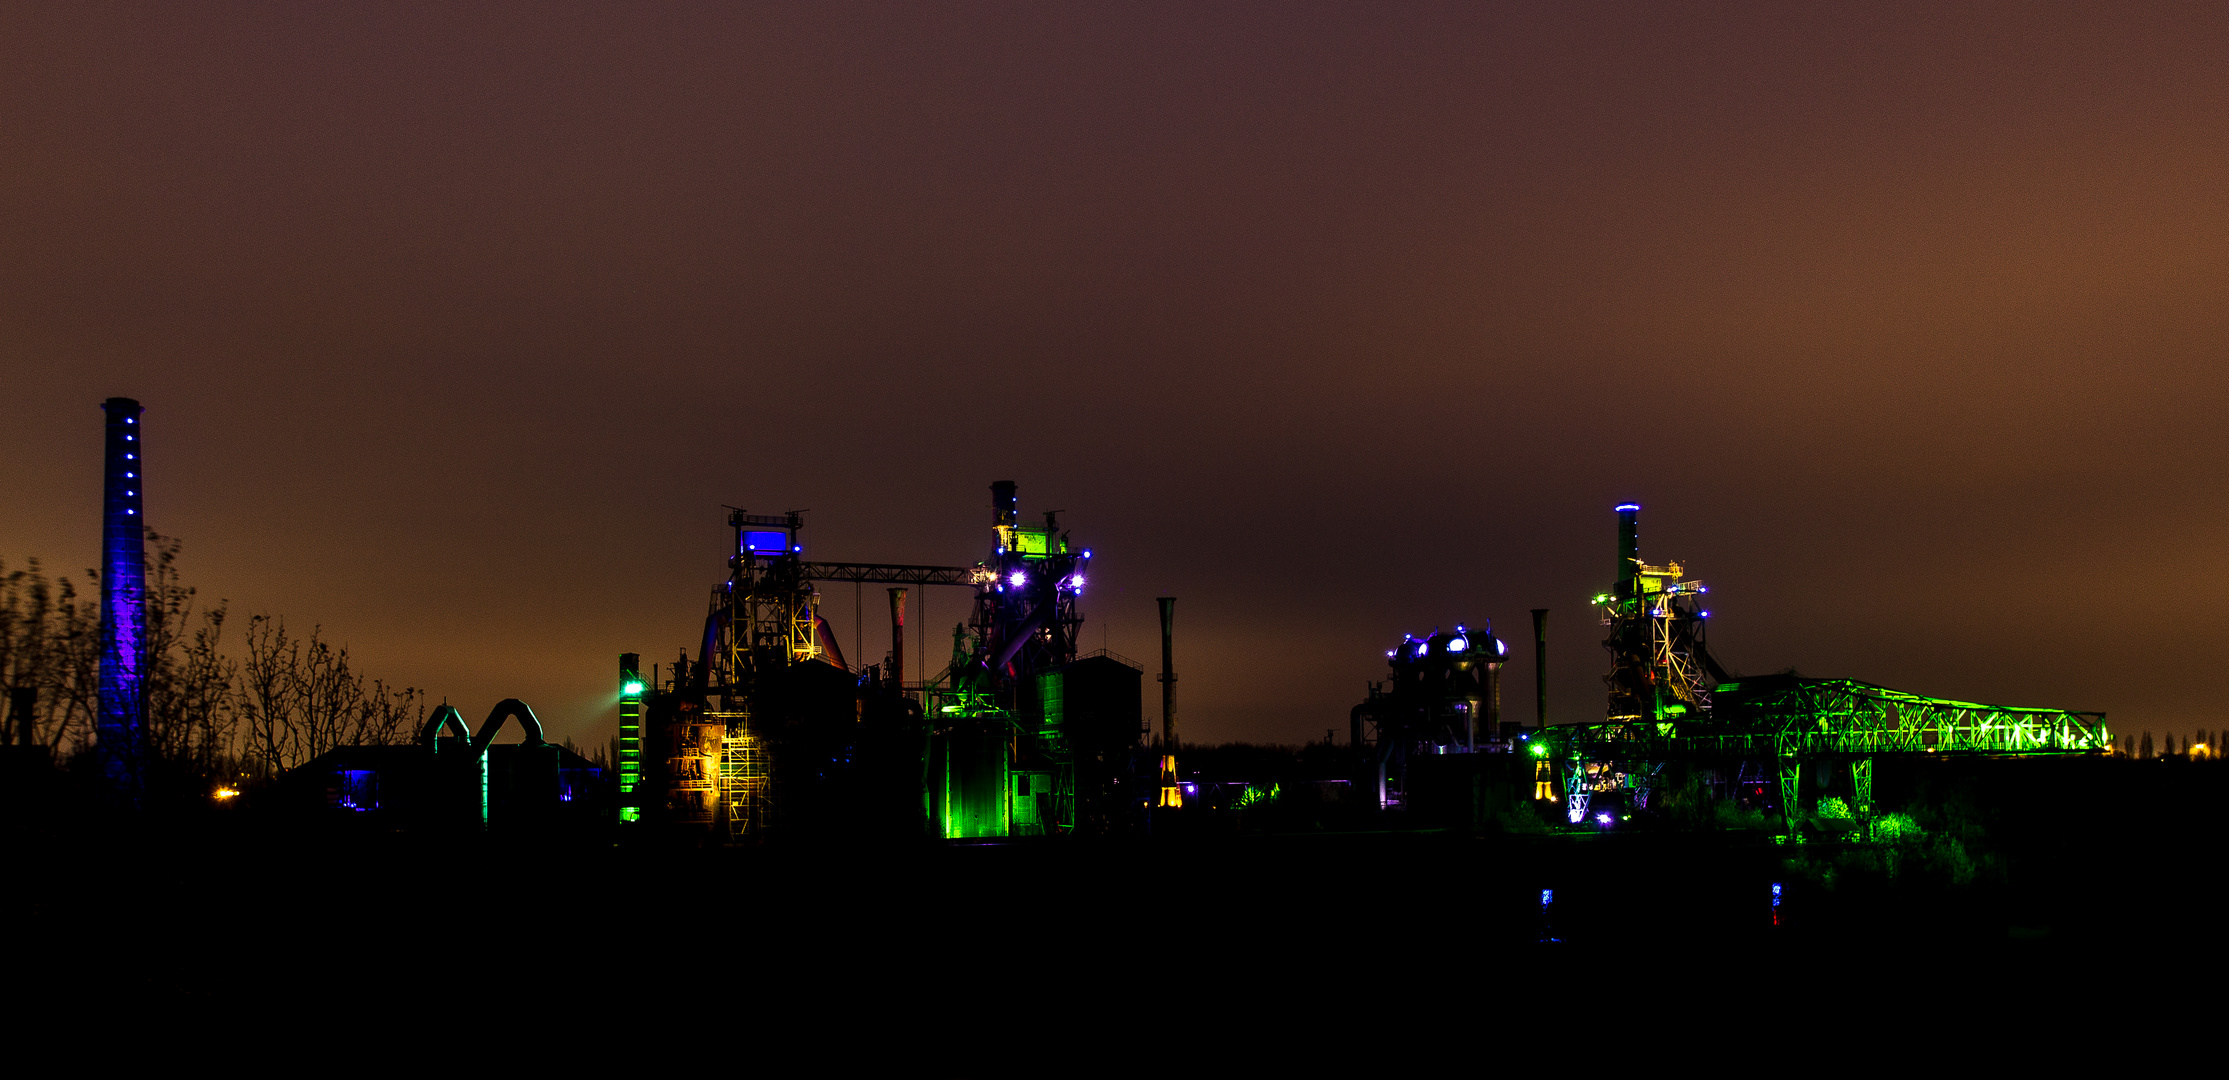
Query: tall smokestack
[(1540, 664), (123, 600), (1629, 546), (1168, 675), (897, 640)]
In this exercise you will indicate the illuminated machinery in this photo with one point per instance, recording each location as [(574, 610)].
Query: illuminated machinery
[(772, 725), (1028, 738), (1670, 702), (1660, 668), (1443, 697)]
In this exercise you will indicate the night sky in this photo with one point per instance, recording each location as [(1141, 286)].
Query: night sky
[(456, 325)]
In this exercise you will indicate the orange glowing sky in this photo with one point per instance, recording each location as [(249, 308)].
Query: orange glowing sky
[(455, 328)]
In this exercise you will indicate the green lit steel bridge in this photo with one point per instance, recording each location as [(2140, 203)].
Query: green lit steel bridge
[(1787, 720), (1670, 701)]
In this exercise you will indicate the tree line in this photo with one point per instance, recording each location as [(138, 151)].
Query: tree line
[(2205, 745), (214, 708)]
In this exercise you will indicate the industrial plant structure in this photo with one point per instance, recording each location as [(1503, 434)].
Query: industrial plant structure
[(1444, 697), (771, 730), (1669, 703)]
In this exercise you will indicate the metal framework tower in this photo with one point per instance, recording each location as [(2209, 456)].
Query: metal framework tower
[(1660, 668), (1002, 689), (1025, 618)]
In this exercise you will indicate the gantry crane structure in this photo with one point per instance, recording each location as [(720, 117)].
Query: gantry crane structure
[(1669, 701)]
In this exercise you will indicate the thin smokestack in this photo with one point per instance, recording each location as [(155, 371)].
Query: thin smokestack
[(1168, 675), (897, 640), (1540, 664), (118, 727)]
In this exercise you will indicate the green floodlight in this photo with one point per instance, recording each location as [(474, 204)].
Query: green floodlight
[(631, 689), (1540, 749)]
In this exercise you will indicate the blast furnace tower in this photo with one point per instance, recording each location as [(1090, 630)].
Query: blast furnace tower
[(1660, 669)]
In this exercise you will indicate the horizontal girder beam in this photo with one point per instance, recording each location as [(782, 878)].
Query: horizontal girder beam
[(887, 574)]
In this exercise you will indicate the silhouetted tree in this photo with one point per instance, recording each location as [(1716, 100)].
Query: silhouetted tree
[(208, 714), (50, 644), (188, 689), (299, 697)]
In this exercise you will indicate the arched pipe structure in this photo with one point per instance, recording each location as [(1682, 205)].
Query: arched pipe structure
[(506, 709), (445, 716), (470, 769)]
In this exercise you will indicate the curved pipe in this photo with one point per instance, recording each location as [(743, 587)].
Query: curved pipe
[(1710, 664), (703, 672), (504, 710), (445, 716), (826, 638), (1021, 634)]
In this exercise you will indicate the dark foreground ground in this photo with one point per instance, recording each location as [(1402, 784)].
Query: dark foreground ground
[(2047, 888), (372, 920)]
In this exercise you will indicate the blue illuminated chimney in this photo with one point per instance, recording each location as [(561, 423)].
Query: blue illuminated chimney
[(123, 600)]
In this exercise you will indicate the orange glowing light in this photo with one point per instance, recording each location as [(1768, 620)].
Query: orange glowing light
[(224, 793)]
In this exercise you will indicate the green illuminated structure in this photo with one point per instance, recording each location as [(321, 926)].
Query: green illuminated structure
[(771, 730), (1669, 701), (1785, 721), (970, 755), (1790, 716), (630, 735)]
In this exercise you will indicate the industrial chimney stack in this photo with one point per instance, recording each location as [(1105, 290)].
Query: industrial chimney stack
[(1172, 790), (1168, 674), (1629, 547), (118, 728), (898, 642), (1540, 665)]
